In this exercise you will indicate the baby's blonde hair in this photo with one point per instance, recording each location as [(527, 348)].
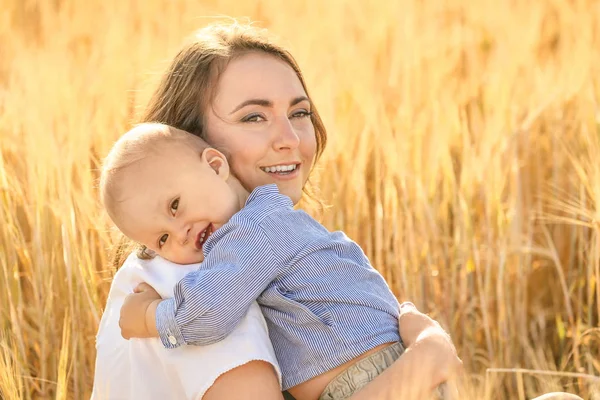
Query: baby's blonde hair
[(131, 148)]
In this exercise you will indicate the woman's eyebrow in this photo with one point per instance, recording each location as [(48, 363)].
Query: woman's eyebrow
[(258, 102), (299, 100), (266, 103)]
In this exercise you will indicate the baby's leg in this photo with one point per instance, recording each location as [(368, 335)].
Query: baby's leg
[(361, 373)]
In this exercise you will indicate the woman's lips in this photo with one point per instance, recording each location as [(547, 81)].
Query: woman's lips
[(203, 236), (287, 172)]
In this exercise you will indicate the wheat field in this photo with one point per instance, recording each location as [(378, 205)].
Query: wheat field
[(463, 155)]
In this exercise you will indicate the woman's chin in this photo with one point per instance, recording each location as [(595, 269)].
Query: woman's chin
[(294, 192)]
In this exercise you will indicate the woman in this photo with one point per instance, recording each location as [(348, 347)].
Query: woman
[(223, 87)]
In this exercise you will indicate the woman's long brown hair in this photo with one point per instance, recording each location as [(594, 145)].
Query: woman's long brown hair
[(187, 89)]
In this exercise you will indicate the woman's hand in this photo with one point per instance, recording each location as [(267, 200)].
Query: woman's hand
[(138, 313), (424, 335), (412, 323), (429, 360)]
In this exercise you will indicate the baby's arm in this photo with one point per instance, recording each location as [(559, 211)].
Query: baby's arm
[(208, 303)]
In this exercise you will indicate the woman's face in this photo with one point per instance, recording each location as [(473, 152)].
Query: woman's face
[(260, 116)]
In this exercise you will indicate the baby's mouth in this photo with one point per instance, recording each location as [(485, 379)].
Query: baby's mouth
[(203, 236)]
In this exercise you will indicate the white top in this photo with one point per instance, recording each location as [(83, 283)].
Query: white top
[(143, 368)]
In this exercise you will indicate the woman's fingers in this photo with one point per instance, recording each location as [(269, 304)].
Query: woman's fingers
[(412, 323), (407, 306)]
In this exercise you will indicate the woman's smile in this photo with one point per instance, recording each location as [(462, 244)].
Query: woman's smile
[(285, 171)]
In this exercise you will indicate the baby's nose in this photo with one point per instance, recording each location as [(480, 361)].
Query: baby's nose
[(185, 234)]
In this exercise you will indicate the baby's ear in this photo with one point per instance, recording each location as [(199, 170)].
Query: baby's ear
[(217, 161)]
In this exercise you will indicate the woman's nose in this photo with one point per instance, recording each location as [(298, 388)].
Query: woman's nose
[(285, 136)]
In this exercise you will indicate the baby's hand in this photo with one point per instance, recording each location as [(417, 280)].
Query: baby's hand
[(138, 313)]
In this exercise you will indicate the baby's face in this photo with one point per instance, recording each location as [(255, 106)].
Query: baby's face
[(172, 202)]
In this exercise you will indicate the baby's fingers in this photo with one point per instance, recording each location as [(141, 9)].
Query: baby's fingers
[(142, 287)]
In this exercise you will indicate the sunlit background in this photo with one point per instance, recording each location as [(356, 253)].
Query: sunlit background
[(464, 156)]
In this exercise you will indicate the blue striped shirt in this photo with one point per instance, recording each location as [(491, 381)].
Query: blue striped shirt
[(323, 301)]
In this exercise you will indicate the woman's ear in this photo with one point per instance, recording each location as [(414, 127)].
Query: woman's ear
[(217, 161)]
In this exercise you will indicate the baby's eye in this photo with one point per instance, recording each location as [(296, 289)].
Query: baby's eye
[(163, 240), (174, 205)]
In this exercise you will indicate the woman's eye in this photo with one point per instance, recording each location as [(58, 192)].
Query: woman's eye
[(302, 114), (174, 206), (163, 240), (253, 118)]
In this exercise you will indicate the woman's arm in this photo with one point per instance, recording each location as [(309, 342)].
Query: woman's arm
[(255, 380), (430, 360)]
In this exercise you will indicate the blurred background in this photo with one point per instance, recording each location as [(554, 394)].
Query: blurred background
[(464, 157)]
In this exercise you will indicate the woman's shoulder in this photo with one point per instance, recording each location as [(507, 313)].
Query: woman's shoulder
[(159, 273)]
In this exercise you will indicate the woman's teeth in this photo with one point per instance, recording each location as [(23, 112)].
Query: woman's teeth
[(280, 168)]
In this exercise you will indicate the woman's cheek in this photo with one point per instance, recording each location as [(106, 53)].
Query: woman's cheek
[(246, 174), (309, 147)]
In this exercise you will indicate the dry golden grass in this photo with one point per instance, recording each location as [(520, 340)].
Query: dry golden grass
[(464, 156)]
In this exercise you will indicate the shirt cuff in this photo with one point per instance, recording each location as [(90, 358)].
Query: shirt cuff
[(166, 324)]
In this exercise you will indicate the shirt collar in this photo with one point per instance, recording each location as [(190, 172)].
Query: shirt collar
[(264, 190)]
